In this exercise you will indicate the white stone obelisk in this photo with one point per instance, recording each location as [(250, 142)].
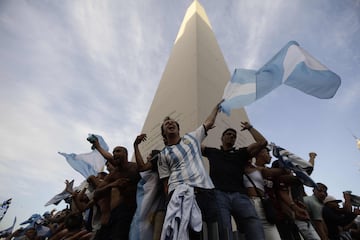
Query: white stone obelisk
[(192, 84)]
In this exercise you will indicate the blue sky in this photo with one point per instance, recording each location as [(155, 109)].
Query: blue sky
[(69, 68)]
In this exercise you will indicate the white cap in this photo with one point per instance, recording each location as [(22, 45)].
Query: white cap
[(331, 199)]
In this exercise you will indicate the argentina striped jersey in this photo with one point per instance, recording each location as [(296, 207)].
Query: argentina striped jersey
[(182, 162)]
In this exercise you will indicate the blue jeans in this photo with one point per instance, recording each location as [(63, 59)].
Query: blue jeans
[(240, 207), (307, 230)]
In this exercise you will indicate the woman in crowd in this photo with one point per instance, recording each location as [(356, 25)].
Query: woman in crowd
[(255, 179)]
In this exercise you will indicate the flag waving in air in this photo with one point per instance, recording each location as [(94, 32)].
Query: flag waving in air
[(299, 166), (87, 164), (4, 207), (61, 196), (292, 66)]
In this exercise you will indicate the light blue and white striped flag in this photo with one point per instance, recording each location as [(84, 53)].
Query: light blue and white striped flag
[(147, 198), (4, 207), (32, 220), (60, 196), (292, 66), (290, 161), (87, 164)]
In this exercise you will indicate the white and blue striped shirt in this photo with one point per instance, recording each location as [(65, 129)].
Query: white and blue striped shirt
[(182, 162)]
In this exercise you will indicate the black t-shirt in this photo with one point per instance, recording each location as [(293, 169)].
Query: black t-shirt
[(334, 220), (227, 168)]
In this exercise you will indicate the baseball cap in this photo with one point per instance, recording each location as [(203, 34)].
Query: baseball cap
[(331, 199)]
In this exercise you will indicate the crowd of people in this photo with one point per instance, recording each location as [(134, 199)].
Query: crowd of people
[(170, 195)]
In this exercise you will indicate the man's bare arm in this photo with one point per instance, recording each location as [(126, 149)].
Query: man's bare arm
[(260, 141), (108, 156), (210, 120), (141, 165)]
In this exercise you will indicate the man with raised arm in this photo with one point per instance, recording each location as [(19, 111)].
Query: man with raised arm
[(227, 166), (119, 191), (182, 171)]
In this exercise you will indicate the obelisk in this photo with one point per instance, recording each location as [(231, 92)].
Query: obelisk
[(192, 83)]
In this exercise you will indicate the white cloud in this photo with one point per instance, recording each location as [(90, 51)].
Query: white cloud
[(93, 27), (73, 67), (349, 97)]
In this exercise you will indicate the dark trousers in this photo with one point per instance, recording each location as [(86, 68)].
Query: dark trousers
[(118, 227), (288, 229)]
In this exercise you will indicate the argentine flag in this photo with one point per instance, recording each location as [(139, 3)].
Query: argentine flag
[(4, 207), (292, 66), (87, 164), (299, 166), (60, 196), (148, 197)]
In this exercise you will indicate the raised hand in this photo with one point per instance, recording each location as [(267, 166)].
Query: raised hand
[(68, 187), (141, 138), (245, 126)]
